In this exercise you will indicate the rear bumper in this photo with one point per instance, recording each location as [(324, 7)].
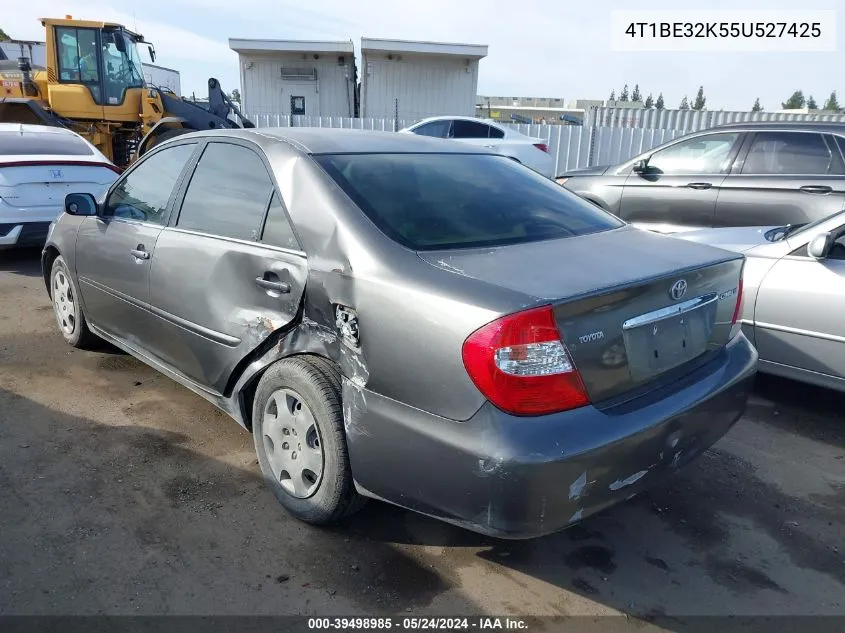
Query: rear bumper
[(23, 234), (517, 477)]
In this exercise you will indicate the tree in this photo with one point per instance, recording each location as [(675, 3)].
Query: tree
[(649, 102), (795, 102), (832, 103), (624, 96), (636, 96), (811, 103), (3, 36), (757, 107), (235, 96), (700, 100), (659, 104), (612, 95), (684, 104)]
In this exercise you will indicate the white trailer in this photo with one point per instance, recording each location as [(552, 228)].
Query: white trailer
[(161, 77)]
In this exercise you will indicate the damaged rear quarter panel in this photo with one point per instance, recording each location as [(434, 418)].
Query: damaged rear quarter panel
[(412, 318)]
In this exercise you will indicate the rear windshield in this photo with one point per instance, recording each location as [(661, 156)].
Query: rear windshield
[(444, 201), (15, 143)]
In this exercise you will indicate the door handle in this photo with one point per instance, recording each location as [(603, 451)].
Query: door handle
[(277, 286), (139, 252), (700, 185), (816, 189)]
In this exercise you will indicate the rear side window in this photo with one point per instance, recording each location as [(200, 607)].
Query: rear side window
[(34, 144), (277, 229), (228, 193), (470, 129), (444, 201), (496, 132), (144, 192), (788, 153)]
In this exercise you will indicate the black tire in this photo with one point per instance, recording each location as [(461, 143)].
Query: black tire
[(335, 496), (78, 335), (166, 136)]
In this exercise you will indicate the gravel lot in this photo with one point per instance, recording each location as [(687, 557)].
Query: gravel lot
[(122, 492)]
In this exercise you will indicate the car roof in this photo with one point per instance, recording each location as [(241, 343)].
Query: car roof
[(313, 140), (29, 128), (814, 126)]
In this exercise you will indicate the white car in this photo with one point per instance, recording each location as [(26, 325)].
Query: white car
[(38, 166), (531, 152)]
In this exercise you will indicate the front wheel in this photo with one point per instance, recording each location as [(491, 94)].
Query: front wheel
[(68, 308), (300, 441)]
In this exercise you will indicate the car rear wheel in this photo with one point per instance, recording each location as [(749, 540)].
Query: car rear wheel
[(67, 307), (300, 441)]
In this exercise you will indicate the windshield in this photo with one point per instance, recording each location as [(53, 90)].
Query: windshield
[(444, 201), (122, 67)]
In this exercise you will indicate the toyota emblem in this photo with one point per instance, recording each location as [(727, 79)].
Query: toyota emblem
[(678, 289)]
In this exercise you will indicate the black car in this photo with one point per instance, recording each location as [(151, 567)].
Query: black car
[(748, 174)]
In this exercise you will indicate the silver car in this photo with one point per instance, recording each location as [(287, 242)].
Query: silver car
[(409, 319), (795, 296)]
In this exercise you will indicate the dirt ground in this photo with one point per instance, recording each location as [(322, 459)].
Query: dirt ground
[(123, 493)]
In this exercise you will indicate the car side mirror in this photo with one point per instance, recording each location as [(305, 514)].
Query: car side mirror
[(640, 166), (80, 204), (820, 245)]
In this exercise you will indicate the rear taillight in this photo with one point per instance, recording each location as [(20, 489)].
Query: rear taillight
[(520, 364), (736, 324), (542, 146)]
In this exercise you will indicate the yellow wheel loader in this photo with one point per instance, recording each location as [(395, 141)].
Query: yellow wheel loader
[(93, 84)]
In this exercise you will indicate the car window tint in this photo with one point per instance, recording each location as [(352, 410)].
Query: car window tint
[(700, 155), (228, 193), (440, 201), (277, 229), (50, 143), (470, 129), (439, 129), (144, 192), (787, 153), (496, 132)]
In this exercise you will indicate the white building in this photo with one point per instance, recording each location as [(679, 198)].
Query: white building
[(162, 77), (296, 77), (420, 79)]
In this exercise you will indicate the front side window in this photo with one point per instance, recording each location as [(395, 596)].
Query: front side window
[(788, 153), (144, 192), (122, 66), (77, 51), (228, 193), (470, 129), (438, 129), (700, 155), (444, 201)]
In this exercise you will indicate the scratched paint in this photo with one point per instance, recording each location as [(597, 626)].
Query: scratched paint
[(622, 483)]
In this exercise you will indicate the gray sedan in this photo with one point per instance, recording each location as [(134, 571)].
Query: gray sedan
[(409, 319), (795, 296)]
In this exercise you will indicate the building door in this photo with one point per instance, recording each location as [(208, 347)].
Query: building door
[(301, 97)]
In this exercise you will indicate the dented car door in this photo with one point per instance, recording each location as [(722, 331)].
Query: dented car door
[(228, 269)]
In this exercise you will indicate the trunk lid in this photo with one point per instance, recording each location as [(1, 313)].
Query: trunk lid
[(613, 299), (45, 184)]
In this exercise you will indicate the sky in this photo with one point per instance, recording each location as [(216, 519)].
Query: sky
[(540, 48)]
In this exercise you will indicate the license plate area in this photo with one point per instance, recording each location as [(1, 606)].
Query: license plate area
[(664, 339)]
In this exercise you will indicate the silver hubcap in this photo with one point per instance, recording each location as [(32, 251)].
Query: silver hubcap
[(292, 443), (64, 302)]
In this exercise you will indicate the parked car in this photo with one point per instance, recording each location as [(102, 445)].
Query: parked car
[(407, 319), (530, 151), (748, 174), (795, 296), (38, 166)]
